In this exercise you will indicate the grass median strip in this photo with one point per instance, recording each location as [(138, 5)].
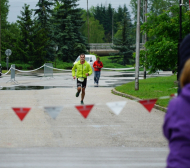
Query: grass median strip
[(152, 88)]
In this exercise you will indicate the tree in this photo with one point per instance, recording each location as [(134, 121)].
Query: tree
[(67, 24), (124, 42), (12, 34), (33, 40), (104, 15), (44, 13), (4, 23), (162, 31), (96, 30), (37, 46), (25, 23)]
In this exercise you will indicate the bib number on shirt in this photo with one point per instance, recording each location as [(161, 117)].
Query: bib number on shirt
[(81, 79)]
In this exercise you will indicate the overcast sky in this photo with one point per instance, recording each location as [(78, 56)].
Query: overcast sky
[(16, 5)]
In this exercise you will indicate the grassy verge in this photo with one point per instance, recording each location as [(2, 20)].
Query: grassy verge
[(62, 65), (4, 71), (152, 88), (107, 62)]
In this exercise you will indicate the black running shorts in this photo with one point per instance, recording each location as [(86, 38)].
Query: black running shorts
[(82, 84)]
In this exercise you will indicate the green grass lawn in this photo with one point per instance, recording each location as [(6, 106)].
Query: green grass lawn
[(152, 88), (4, 71)]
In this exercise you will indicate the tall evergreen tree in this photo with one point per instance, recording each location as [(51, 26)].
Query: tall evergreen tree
[(104, 15), (37, 46), (124, 43), (44, 14), (68, 22), (25, 23), (30, 46)]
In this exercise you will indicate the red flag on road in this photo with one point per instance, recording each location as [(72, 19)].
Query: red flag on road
[(21, 112), (84, 109), (148, 104)]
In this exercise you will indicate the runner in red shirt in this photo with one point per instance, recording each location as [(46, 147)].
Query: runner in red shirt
[(97, 69)]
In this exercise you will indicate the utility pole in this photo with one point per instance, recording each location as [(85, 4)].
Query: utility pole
[(145, 36), (137, 46), (0, 32), (88, 27), (143, 19)]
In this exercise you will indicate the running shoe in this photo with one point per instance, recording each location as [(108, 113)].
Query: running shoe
[(77, 94), (82, 102)]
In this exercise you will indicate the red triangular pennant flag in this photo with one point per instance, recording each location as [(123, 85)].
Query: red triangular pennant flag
[(84, 109), (148, 104), (21, 112)]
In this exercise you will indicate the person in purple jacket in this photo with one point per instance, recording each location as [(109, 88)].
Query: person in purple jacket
[(176, 126)]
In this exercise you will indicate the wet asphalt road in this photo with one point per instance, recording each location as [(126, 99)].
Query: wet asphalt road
[(133, 139), (31, 81)]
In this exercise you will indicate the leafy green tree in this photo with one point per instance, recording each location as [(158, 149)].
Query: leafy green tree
[(67, 33), (96, 30), (12, 34), (4, 23), (124, 42), (163, 34)]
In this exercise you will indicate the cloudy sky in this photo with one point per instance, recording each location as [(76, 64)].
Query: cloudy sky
[(16, 5)]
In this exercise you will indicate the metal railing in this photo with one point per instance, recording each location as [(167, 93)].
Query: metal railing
[(100, 46)]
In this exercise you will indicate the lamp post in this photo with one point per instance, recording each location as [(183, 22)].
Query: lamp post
[(180, 34), (137, 46)]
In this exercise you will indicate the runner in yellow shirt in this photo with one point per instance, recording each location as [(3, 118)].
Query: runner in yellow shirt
[(83, 70)]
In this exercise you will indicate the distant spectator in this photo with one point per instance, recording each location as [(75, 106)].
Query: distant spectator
[(97, 69), (177, 124)]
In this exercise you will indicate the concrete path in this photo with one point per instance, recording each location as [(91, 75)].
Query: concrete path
[(83, 157)]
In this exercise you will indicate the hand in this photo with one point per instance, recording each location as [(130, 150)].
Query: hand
[(87, 74), (74, 77)]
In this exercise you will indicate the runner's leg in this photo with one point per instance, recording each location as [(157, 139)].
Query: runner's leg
[(83, 90), (78, 88), (83, 94)]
